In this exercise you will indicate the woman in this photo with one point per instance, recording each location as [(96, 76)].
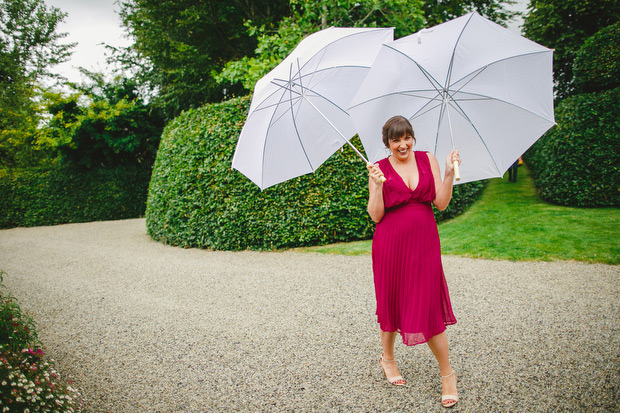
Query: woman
[(410, 287)]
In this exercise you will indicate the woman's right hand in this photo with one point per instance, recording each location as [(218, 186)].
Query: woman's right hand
[(375, 173)]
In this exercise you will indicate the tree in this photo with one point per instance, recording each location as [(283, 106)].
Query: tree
[(309, 16), (597, 63), (564, 25), (440, 11), (29, 46), (179, 43), (103, 124)]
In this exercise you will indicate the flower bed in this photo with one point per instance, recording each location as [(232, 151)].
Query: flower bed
[(29, 382)]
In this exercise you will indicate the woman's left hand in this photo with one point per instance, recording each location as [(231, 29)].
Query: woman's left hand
[(453, 156)]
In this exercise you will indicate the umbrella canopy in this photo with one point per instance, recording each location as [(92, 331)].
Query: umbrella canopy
[(468, 84), (298, 117)]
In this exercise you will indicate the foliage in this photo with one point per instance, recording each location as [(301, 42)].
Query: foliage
[(597, 63), (440, 11), (309, 16), (49, 196), (28, 382), (17, 329), (114, 128), (29, 46), (564, 25), (196, 200), (179, 43), (577, 162)]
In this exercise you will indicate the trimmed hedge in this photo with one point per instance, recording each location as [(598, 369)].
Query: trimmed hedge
[(597, 63), (577, 162), (196, 200), (34, 197)]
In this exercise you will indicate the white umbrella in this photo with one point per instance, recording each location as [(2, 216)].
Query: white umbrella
[(298, 117), (468, 84)]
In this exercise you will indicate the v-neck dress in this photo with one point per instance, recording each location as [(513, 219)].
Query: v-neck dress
[(410, 286)]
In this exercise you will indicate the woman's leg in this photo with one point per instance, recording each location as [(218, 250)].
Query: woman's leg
[(387, 342), (439, 346)]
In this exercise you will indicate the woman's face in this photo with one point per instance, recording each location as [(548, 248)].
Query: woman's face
[(401, 147)]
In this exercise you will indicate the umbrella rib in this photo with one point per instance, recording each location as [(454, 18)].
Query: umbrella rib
[(271, 122), (504, 59), (277, 103), (456, 43), (341, 38), (295, 120), (434, 83), (460, 110), (419, 113), (443, 109), (484, 97)]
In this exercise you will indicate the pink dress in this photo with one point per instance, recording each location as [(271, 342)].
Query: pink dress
[(410, 286)]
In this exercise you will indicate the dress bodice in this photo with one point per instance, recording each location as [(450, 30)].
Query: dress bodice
[(396, 192)]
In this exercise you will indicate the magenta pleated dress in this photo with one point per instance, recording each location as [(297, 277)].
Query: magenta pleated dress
[(410, 286)]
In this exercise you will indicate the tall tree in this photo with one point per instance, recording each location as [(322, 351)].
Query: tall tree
[(102, 124), (564, 25), (406, 16), (439, 11), (309, 16), (29, 46), (178, 43)]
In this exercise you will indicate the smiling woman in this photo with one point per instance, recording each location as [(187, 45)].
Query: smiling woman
[(410, 286)]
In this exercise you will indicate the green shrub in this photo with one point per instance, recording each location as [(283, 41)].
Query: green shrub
[(17, 329), (196, 200), (28, 381), (597, 63), (34, 197), (577, 162)]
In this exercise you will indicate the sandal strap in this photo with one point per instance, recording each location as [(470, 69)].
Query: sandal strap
[(445, 377), (397, 378)]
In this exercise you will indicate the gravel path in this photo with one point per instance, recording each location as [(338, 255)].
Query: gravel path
[(141, 326)]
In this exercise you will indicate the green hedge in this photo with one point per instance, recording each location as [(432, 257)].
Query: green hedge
[(196, 200), (34, 197), (597, 63), (577, 162)]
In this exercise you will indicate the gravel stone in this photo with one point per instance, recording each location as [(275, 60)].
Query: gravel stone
[(140, 326)]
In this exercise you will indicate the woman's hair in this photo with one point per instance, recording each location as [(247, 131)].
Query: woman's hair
[(396, 127)]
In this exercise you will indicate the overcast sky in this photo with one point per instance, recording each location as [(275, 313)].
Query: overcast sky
[(89, 23), (92, 22)]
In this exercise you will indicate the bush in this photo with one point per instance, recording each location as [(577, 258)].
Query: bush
[(28, 382), (196, 200), (577, 162), (33, 197), (597, 63)]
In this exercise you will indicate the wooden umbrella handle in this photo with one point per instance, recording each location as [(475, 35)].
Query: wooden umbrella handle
[(457, 172), (382, 178)]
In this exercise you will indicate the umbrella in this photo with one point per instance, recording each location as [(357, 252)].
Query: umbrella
[(298, 117), (468, 84)]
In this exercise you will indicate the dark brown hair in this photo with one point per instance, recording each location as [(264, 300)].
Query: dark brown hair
[(396, 127)]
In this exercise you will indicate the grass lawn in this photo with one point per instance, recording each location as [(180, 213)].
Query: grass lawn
[(511, 222)]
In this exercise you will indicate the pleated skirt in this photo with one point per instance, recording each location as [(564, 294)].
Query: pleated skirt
[(410, 286)]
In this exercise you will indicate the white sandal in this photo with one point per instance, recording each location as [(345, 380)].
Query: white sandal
[(449, 398), (396, 381)]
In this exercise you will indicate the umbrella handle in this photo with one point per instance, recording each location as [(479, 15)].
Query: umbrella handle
[(457, 172), (381, 178)]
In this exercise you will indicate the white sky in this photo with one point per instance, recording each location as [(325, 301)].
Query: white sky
[(92, 22), (89, 23)]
